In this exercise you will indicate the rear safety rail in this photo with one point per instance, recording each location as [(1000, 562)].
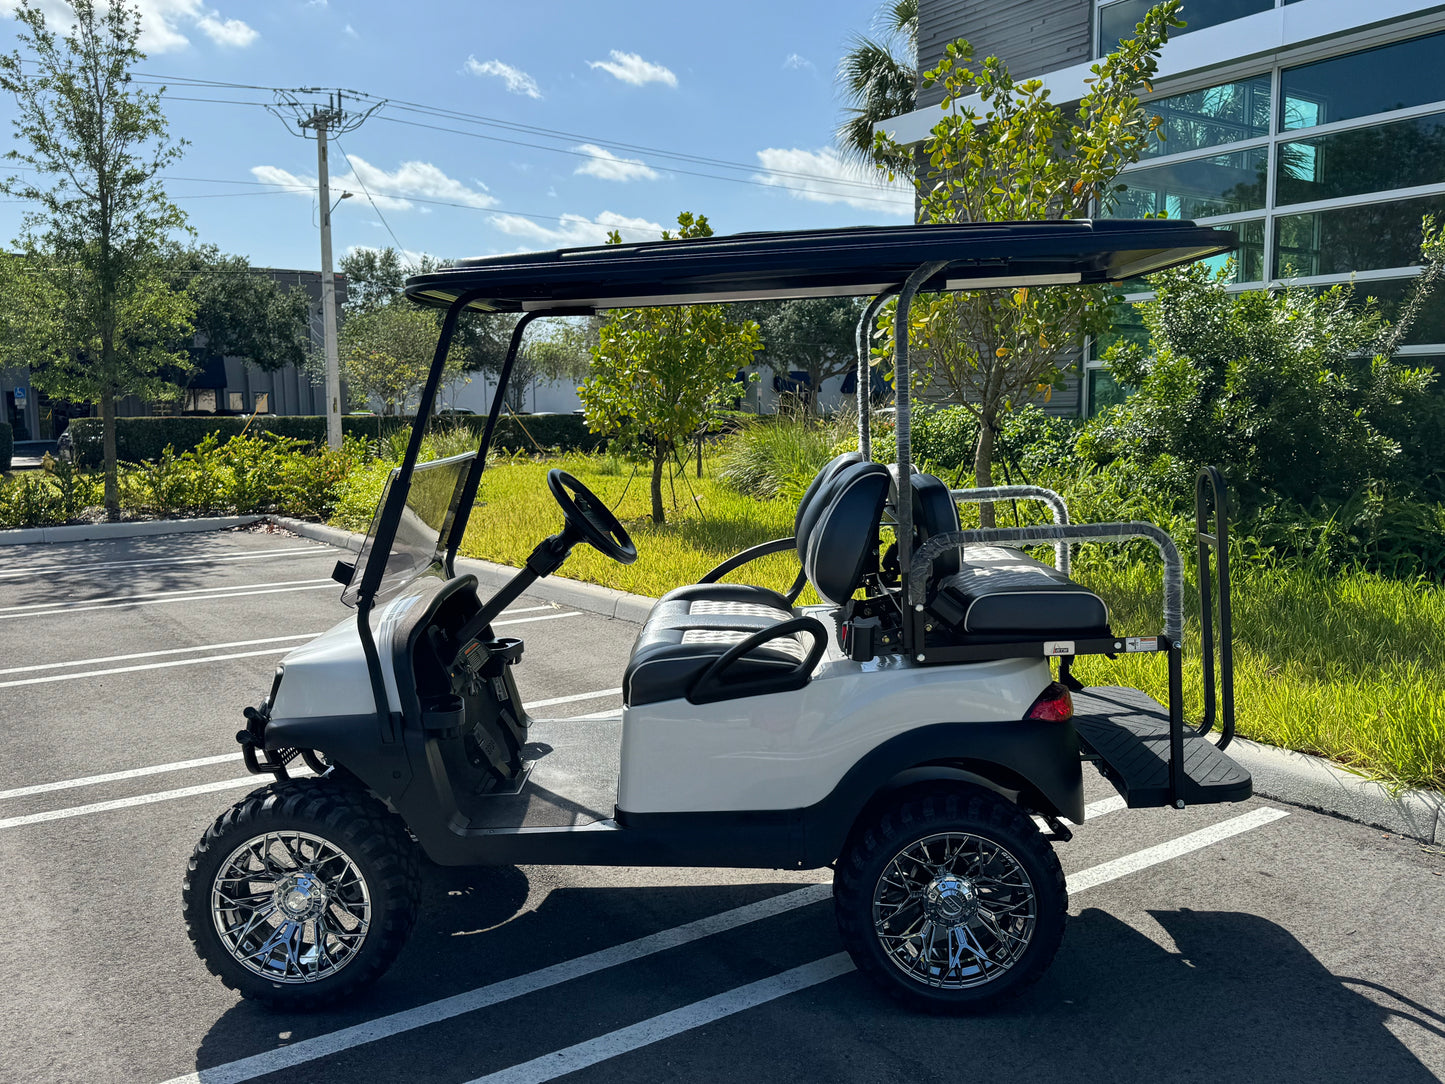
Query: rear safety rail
[(1056, 503)]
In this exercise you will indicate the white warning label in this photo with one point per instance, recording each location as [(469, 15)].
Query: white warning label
[(1141, 643), (1058, 647)]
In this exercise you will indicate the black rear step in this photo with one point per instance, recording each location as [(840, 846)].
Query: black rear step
[(1128, 731)]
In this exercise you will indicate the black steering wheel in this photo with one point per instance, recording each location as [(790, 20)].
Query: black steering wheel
[(588, 516)]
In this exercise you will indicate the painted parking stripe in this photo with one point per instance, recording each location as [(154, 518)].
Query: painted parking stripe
[(152, 654), (143, 666), (201, 558), (128, 803), (664, 1026), (384, 1027), (547, 617), (160, 594), (572, 699), (112, 777)]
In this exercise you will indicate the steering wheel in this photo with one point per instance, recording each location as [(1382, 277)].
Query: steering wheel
[(588, 516)]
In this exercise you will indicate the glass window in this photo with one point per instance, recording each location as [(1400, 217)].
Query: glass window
[(1104, 391), (1374, 159), (1117, 21), (1248, 257), (1221, 184), (1353, 238), (1206, 118), (1126, 325), (1358, 85), (1429, 326)]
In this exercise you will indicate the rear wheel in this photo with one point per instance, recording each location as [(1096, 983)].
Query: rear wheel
[(951, 899), (301, 893)]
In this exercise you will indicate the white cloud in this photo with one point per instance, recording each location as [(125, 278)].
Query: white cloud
[(230, 32), (163, 23), (796, 62), (518, 81), (575, 231), (606, 165), (392, 191), (822, 176), (350, 31), (631, 68)]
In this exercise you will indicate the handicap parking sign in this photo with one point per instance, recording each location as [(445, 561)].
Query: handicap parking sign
[(20, 397)]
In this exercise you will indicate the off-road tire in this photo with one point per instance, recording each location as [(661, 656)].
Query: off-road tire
[(918, 815), (342, 813)]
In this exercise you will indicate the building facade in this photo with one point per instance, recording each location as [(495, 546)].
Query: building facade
[(232, 385), (1314, 128)]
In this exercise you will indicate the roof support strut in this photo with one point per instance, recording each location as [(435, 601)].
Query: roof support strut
[(865, 376)]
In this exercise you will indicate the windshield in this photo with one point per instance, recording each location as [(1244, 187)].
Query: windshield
[(431, 504)]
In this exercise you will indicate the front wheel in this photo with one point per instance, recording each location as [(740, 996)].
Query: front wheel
[(301, 893), (950, 899)]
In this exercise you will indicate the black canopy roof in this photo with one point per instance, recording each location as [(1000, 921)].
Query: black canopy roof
[(820, 263)]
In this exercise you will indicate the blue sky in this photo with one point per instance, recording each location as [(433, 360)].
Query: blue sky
[(747, 83)]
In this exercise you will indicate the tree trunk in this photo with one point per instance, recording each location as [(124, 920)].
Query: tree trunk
[(657, 459), (107, 427), (983, 468)]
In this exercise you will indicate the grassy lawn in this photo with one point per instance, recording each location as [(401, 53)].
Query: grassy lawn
[(1350, 667)]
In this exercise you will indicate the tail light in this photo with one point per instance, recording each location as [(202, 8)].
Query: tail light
[(1054, 705)]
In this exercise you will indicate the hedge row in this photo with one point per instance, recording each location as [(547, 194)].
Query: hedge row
[(7, 445), (140, 439)]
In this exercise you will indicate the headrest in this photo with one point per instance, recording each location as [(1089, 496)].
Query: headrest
[(934, 512), (830, 468), (844, 533)]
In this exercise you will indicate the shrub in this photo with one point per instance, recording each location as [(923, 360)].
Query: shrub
[(7, 445), (141, 439)]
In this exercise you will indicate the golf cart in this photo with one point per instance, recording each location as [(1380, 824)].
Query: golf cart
[(910, 731)]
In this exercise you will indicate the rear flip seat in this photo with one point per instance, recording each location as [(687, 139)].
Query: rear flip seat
[(1000, 592)]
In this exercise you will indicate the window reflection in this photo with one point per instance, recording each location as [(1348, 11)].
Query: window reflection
[(1227, 113), (1117, 21), (1360, 84), (1384, 156), (1220, 184), (1353, 238)]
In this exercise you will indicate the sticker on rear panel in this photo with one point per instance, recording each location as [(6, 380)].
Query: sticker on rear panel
[(1058, 647), (1141, 643)]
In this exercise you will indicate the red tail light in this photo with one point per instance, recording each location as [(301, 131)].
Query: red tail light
[(1054, 705)]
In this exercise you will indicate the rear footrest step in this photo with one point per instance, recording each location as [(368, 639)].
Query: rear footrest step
[(1129, 732)]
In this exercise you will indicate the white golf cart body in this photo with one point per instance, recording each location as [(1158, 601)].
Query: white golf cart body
[(708, 766)]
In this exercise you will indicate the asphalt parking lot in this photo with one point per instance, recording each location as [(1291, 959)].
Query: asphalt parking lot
[(1253, 942)]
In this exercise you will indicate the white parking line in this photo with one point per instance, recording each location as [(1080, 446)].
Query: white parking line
[(572, 699), (384, 1027), (111, 777), (127, 803), (143, 666), (664, 1026), (150, 654), (316, 585), (161, 594), (525, 620), (202, 558)]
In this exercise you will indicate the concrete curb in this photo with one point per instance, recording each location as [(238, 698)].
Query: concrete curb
[(87, 532), (1295, 778), (1315, 783)]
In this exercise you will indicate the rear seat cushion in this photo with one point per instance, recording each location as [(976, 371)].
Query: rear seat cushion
[(1000, 590), (666, 661)]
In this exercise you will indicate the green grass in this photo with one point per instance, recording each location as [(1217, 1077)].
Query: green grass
[(1349, 666)]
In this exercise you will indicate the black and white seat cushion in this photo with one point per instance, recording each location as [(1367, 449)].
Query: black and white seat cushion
[(1001, 592)]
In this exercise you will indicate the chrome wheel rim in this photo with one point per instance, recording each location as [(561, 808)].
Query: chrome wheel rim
[(954, 911), (291, 907)]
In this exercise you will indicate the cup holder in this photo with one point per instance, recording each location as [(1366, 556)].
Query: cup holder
[(444, 715)]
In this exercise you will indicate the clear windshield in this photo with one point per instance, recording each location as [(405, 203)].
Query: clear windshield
[(431, 505)]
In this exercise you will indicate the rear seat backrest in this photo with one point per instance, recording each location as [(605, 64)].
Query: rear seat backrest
[(842, 530), (819, 483), (934, 512)]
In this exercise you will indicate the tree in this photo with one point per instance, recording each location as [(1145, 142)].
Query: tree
[(1011, 155), (815, 334), (386, 355), (879, 79), (241, 313), (99, 143), (660, 375), (1295, 392)]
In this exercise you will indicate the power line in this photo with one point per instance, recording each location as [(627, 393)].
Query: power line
[(355, 173)]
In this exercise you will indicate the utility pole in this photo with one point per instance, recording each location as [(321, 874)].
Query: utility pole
[(313, 120)]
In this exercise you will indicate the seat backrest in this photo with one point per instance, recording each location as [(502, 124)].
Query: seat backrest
[(843, 530), (934, 512)]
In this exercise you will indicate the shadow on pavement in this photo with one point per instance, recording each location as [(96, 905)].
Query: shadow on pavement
[(1237, 998)]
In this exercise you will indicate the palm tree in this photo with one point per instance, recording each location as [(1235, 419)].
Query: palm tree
[(879, 78)]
